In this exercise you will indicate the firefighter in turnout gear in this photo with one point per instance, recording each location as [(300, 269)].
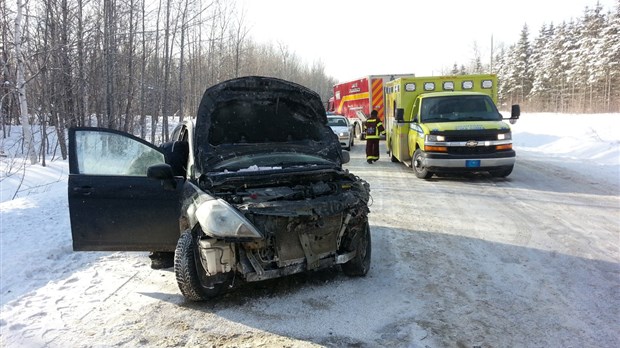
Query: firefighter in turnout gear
[(374, 130)]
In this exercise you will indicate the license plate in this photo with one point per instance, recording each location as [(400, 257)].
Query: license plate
[(472, 163)]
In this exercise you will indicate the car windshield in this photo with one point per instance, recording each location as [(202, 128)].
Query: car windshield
[(270, 161), (459, 108), (336, 122)]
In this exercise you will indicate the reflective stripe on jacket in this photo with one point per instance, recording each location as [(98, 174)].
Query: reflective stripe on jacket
[(374, 128)]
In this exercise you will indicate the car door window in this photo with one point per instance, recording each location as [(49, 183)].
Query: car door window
[(103, 153)]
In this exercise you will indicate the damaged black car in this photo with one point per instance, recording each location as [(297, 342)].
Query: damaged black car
[(250, 190)]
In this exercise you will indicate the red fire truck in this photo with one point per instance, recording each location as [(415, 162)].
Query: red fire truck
[(357, 98)]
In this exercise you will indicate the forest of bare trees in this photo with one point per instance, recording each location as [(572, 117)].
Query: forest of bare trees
[(116, 63), (128, 64)]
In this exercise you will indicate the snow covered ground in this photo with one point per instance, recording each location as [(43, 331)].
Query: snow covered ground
[(51, 296)]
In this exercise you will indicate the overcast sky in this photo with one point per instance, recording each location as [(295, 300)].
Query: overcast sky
[(357, 38)]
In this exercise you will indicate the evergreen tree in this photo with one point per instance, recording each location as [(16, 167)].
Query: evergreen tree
[(455, 70), (541, 67), (500, 69), (588, 54), (609, 62), (556, 68), (522, 71)]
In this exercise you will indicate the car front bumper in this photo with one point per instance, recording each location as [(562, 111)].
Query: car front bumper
[(437, 162)]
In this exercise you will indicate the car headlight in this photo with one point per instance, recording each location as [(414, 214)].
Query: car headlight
[(220, 220), (435, 138), (344, 134), (504, 136)]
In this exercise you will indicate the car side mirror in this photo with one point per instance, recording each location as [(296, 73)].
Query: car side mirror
[(346, 157), (400, 115), (163, 172)]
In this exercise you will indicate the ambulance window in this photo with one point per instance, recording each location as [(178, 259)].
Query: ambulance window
[(414, 113)]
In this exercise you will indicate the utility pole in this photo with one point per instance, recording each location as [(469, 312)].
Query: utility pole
[(491, 66)]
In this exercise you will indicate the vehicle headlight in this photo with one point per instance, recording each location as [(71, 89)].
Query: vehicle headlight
[(504, 136), (220, 220), (344, 134), (435, 138)]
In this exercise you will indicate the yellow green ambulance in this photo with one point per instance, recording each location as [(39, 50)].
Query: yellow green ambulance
[(448, 124)]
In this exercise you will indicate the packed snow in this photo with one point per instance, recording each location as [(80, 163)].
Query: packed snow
[(46, 288)]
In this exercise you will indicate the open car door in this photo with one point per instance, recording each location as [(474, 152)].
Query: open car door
[(112, 204)]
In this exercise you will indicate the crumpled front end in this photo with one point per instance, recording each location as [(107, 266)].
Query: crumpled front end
[(308, 222)]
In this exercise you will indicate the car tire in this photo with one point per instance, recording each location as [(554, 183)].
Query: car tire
[(416, 165), (501, 173), (187, 266), (360, 264)]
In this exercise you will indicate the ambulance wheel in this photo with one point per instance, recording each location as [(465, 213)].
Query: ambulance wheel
[(416, 164), (502, 173), (191, 276)]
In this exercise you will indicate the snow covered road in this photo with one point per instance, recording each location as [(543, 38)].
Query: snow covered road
[(531, 260)]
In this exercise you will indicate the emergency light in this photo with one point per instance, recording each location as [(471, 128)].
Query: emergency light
[(467, 84)]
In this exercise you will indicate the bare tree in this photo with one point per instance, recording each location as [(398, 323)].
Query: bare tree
[(240, 31), (143, 75), (128, 125), (21, 87), (109, 37)]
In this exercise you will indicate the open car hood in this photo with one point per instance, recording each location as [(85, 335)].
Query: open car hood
[(255, 115)]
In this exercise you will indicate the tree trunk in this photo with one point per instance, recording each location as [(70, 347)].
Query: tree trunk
[(167, 60), (157, 91), (128, 126), (21, 88), (109, 7), (182, 61), (142, 77)]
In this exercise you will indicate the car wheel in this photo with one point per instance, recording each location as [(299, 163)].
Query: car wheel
[(501, 173), (358, 131), (360, 264), (416, 165), (189, 270)]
